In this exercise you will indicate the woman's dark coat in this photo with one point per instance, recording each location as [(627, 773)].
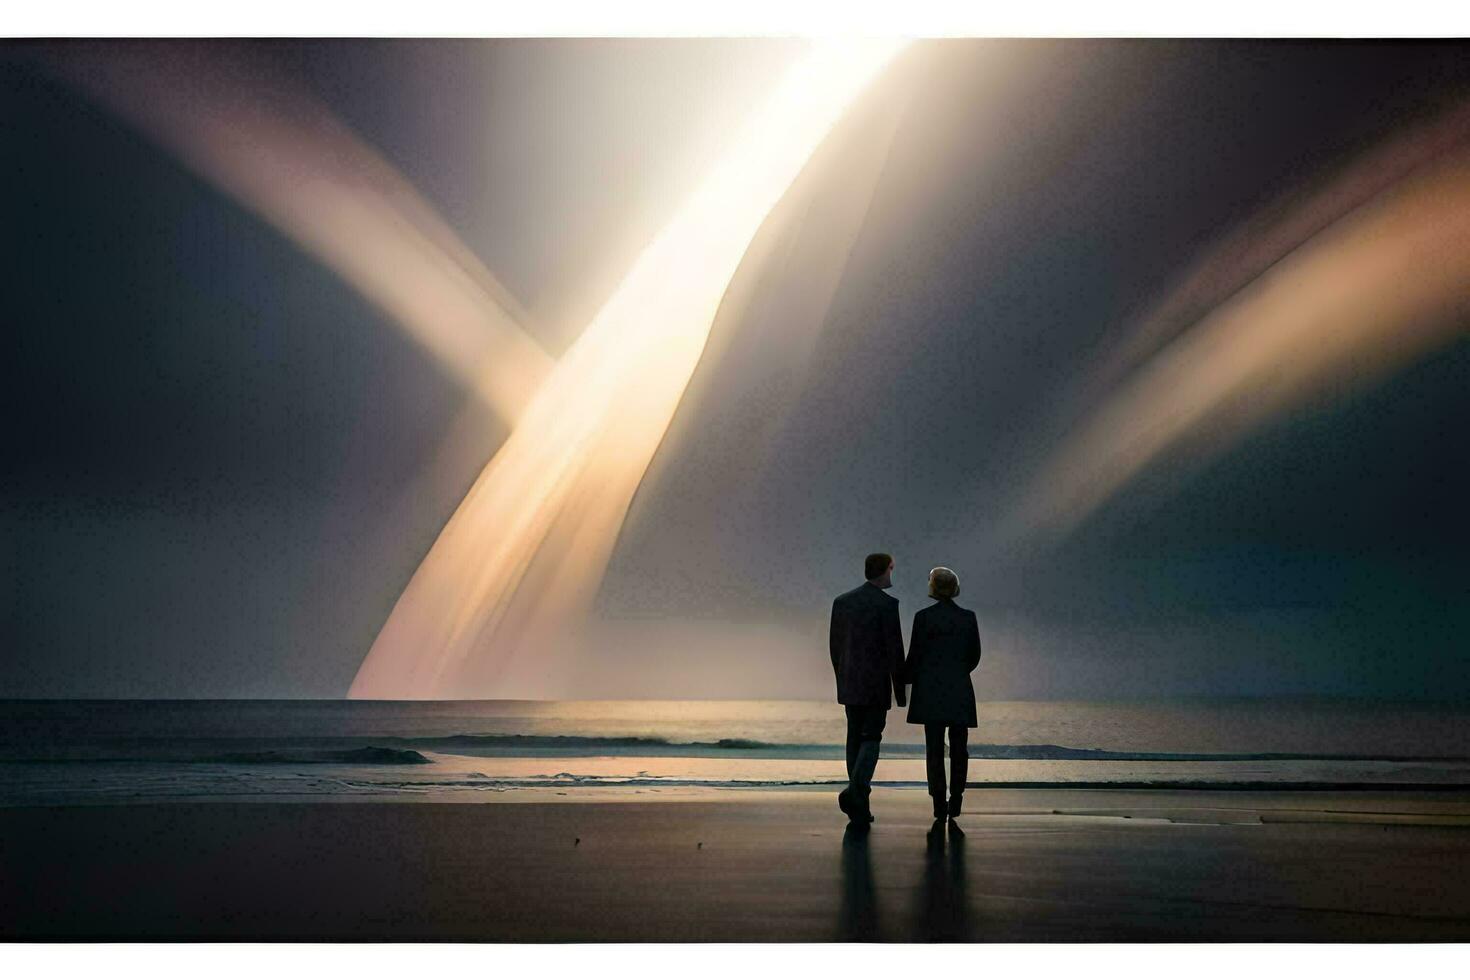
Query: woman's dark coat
[(943, 648)]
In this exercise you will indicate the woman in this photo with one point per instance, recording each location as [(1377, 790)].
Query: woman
[(944, 648)]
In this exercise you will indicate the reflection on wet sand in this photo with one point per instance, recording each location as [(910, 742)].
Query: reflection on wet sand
[(858, 916), (940, 910), (941, 913)]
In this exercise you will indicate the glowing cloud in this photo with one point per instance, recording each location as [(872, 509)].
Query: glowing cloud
[(516, 567)]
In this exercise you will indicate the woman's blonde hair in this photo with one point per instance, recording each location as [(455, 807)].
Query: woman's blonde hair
[(943, 583)]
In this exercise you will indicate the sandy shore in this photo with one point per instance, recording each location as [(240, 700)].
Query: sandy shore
[(1034, 865)]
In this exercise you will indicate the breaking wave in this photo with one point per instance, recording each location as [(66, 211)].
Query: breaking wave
[(409, 750)]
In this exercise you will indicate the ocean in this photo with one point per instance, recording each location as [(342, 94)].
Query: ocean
[(68, 752)]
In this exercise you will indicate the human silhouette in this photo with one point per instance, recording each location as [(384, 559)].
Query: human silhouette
[(866, 643), (944, 647)]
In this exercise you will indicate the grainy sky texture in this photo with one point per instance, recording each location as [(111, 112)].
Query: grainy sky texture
[(221, 464)]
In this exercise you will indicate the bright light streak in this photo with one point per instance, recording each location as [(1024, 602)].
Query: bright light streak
[(278, 152), (1275, 232), (517, 566), (1377, 288)]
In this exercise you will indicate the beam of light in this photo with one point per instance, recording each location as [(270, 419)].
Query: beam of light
[(1372, 291), (275, 150), (744, 398), (518, 564)]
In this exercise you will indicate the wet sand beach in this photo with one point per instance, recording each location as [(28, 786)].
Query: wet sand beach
[(764, 865)]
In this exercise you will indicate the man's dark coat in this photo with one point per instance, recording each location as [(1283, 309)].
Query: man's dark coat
[(867, 647), (943, 648)]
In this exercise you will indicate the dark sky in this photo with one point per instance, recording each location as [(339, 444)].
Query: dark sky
[(210, 442)]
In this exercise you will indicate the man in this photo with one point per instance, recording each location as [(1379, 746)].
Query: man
[(867, 658)]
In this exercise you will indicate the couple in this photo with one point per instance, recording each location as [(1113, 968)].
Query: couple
[(867, 657)]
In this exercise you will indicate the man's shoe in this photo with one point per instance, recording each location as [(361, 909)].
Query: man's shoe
[(856, 813), (954, 829), (861, 787)]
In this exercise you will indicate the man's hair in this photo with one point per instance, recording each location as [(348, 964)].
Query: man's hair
[(943, 583), (875, 565)]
